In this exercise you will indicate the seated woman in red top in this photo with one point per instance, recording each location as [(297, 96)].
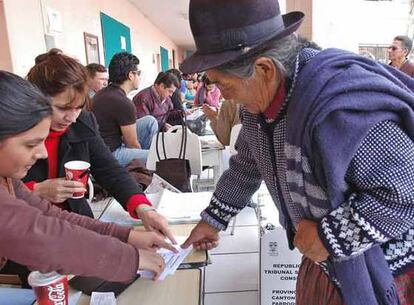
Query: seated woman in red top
[(40, 235), (74, 136)]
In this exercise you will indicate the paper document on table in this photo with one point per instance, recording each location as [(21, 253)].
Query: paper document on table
[(171, 260), (183, 207), (195, 114), (103, 298), (210, 143), (74, 297), (114, 212), (158, 184)]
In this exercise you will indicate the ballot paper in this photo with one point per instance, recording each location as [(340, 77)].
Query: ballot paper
[(195, 114), (158, 184), (183, 207), (115, 213), (74, 296), (103, 298), (171, 260), (210, 143), (176, 207)]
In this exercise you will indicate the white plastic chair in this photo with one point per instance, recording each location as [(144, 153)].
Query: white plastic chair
[(231, 149), (235, 130), (176, 128), (172, 146)]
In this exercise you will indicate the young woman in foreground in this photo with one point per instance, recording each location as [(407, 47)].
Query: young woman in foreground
[(44, 237)]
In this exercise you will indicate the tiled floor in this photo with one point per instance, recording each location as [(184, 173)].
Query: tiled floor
[(239, 298), (244, 240)]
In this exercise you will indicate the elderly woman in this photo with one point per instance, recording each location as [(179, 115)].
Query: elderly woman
[(40, 235), (331, 134)]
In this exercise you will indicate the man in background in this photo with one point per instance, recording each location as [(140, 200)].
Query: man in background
[(156, 99), (398, 54), (126, 137), (98, 78)]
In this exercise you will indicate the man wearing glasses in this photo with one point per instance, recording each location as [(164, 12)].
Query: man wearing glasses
[(398, 54), (127, 137)]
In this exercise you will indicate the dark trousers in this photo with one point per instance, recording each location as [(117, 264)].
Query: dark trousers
[(17, 269)]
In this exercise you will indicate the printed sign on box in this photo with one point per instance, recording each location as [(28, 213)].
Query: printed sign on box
[(279, 267)]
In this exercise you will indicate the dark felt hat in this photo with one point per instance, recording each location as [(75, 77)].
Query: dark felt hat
[(226, 30)]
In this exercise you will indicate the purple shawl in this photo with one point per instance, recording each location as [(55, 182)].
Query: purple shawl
[(338, 97)]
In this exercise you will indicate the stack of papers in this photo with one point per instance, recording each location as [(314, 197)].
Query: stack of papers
[(74, 296), (158, 184), (210, 144), (102, 298), (195, 114), (115, 213), (172, 260), (183, 207), (176, 207)]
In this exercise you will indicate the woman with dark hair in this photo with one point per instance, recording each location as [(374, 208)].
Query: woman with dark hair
[(38, 234), (41, 57), (74, 136), (207, 94)]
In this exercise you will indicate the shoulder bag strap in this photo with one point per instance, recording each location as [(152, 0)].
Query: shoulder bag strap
[(163, 145)]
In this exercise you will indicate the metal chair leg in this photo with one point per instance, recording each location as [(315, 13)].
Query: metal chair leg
[(233, 228)]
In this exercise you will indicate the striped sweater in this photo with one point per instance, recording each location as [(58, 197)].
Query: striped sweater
[(376, 201)]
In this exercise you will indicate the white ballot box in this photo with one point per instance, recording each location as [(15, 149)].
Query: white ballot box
[(279, 265)]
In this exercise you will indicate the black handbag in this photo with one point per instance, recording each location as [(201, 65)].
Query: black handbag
[(175, 171)]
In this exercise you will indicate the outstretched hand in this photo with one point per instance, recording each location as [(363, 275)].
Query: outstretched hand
[(152, 262), (150, 241), (153, 221), (202, 237)]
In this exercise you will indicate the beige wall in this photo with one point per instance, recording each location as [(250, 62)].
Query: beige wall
[(346, 24), (336, 23), (304, 6), (5, 57), (27, 23)]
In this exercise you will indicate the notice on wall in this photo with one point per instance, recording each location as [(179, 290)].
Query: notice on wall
[(123, 43), (279, 268)]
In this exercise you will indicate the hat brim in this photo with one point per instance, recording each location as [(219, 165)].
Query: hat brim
[(198, 62)]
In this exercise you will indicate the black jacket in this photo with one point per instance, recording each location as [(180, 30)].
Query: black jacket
[(82, 141)]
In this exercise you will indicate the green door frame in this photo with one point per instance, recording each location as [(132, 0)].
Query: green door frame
[(116, 37), (165, 64)]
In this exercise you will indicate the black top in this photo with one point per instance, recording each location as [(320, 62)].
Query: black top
[(176, 100), (83, 142), (113, 109)]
